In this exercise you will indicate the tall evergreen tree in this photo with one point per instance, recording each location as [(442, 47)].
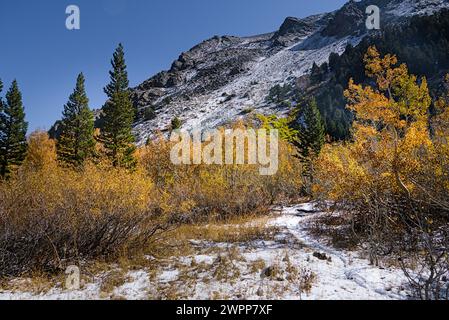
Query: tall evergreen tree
[(118, 115), (76, 142), (1, 100), (315, 74), (311, 132), (2, 122), (13, 129)]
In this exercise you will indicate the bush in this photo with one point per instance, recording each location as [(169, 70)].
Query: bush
[(53, 217), (41, 151), (279, 93), (176, 124), (392, 179), (148, 114), (205, 191)]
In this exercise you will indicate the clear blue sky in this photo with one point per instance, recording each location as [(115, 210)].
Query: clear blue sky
[(45, 57)]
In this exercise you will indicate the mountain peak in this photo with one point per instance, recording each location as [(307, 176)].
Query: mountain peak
[(348, 20), (293, 29), (293, 25)]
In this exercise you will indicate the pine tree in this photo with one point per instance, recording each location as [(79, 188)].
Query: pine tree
[(2, 122), (1, 100), (119, 114), (315, 74), (311, 132), (176, 124), (13, 128), (310, 140), (76, 142)]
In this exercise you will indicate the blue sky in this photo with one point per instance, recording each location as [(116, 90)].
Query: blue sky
[(45, 57)]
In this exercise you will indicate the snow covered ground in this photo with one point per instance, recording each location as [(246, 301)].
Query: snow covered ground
[(292, 264), (348, 276)]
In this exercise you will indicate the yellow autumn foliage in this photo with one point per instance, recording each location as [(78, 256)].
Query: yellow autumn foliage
[(393, 152), (219, 191), (52, 216)]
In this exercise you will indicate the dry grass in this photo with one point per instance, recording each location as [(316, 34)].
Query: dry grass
[(336, 230), (226, 267), (287, 273), (306, 280), (235, 230), (257, 266), (36, 282), (112, 280)]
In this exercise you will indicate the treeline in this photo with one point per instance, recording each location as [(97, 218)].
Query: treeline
[(423, 44), (77, 141)]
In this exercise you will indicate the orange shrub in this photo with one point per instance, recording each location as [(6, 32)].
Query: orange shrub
[(220, 190), (55, 216), (393, 178)]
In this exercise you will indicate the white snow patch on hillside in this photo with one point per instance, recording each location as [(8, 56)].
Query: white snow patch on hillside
[(421, 7), (249, 90)]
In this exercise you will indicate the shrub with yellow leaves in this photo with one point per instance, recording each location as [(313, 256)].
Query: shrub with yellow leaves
[(219, 191), (392, 178), (41, 151), (52, 216), (391, 138)]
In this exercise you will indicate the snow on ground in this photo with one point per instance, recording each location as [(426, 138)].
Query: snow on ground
[(281, 267), (348, 276)]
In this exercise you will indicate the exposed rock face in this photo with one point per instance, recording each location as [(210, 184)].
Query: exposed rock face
[(294, 25), (222, 78), (348, 20), (293, 29)]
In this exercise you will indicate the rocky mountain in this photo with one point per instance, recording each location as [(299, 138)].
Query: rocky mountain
[(226, 77)]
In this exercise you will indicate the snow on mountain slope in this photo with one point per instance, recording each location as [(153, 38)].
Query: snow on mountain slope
[(409, 8), (224, 78), (264, 68), (249, 90)]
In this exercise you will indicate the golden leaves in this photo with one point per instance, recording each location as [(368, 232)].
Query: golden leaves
[(391, 143), (398, 99)]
